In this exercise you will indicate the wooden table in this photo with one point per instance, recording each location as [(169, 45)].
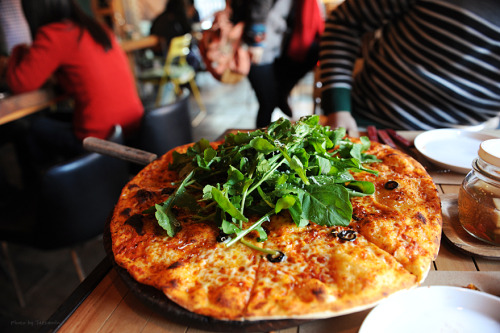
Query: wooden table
[(20, 105), (131, 45), (105, 304)]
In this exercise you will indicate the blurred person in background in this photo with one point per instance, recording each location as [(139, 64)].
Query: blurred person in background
[(425, 64), (192, 13), (172, 22), (283, 40), (88, 64), (149, 9)]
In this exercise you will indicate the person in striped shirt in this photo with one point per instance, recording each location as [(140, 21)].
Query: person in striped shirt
[(425, 64)]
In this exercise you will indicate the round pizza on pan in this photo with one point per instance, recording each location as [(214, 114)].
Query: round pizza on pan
[(295, 221)]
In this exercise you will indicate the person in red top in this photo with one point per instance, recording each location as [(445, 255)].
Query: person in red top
[(89, 65)]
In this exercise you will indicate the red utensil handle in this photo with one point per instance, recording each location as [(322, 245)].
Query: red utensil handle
[(386, 138), (398, 138), (372, 133)]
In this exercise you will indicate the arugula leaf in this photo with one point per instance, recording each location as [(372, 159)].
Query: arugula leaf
[(324, 204), (262, 145), (262, 233), (360, 188), (297, 216), (229, 228), (285, 202), (226, 205), (164, 215), (166, 219)]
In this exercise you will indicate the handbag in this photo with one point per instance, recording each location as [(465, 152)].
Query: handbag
[(222, 50)]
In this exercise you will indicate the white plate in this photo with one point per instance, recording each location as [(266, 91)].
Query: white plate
[(452, 149), (435, 309)]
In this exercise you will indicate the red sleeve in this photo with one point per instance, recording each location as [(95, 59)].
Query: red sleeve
[(30, 69)]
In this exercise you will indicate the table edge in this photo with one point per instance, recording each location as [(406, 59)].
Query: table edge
[(84, 289)]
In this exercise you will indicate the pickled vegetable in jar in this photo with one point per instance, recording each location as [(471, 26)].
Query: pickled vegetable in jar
[(479, 196)]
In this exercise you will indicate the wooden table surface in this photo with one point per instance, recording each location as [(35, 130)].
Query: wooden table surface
[(105, 304), (16, 106), (130, 45)]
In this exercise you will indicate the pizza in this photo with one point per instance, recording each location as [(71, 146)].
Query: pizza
[(295, 221)]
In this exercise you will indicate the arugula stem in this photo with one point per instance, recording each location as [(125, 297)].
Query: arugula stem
[(169, 203), (243, 202), (196, 186), (267, 175), (261, 249), (265, 198), (185, 183), (250, 176), (204, 218), (252, 227), (245, 193), (210, 205), (244, 196)]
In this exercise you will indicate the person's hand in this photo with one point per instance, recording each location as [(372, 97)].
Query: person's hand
[(343, 119), (256, 53)]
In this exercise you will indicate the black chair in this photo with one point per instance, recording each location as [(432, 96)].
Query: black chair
[(166, 127), (75, 199)]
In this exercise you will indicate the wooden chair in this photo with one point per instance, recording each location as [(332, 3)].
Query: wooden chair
[(176, 70)]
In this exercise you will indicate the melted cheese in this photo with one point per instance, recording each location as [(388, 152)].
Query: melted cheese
[(324, 275), (406, 221)]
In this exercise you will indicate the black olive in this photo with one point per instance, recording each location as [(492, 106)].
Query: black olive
[(222, 237), (278, 257), (391, 185), (345, 235)]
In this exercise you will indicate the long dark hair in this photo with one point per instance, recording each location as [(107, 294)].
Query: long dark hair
[(177, 11), (41, 12)]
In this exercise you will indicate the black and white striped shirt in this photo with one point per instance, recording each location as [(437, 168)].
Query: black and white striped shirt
[(432, 64)]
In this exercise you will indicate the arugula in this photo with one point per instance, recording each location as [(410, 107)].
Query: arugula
[(303, 168)]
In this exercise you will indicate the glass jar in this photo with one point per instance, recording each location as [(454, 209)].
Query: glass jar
[(479, 196)]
